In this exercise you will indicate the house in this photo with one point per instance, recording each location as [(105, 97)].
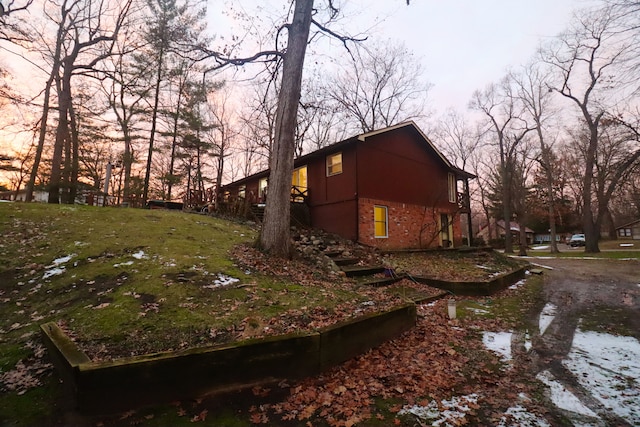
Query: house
[(496, 228), (20, 195), (629, 231), (390, 189)]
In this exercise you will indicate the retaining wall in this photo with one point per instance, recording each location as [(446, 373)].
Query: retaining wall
[(483, 288), (105, 387)]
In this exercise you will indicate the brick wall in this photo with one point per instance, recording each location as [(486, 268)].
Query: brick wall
[(409, 226)]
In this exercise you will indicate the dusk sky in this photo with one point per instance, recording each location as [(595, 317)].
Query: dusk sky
[(463, 44)]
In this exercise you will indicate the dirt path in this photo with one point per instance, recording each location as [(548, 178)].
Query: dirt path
[(603, 293)]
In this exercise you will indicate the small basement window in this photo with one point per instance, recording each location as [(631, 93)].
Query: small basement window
[(380, 221), (334, 164)]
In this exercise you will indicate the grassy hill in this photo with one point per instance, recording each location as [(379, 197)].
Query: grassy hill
[(128, 281)]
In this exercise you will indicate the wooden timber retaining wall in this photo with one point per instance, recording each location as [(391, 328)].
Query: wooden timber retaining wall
[(111, 386), (484, 288)]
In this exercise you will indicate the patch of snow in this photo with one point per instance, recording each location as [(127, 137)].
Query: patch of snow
[(563, 398), (498, 342), (547, 315), (609, 367), (139, 255), (518, 284), (541, 248), (484, 267), (527, 341), (626, 245), (63, 259), (57, 266), (221, 281), (55, 271), (445, 413), (123, 264), (518, 416), (478, 310)]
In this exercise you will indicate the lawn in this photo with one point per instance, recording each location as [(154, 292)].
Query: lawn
[(609, 249), (124, 282)]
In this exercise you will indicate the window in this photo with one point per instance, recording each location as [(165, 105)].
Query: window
[(624, 232), (262, 189), (299, 184), (453, 190), (334, 164), (380, 221), (242, 190)]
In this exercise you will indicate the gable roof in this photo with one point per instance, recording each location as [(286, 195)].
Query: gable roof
[(362, 138), (629, 224)]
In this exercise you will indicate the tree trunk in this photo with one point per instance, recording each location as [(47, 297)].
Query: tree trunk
[(523, 238), (154, 119), (174, 143), (506, 203), (75, 155), (274, 237), (591, 232)]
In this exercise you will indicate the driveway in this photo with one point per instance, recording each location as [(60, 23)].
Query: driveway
[(588, 333)]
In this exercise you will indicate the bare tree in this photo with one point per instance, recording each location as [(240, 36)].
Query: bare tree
[(506, 120), (221, 134), (456, 138), (381, 86), (532, 88), (585, 60)]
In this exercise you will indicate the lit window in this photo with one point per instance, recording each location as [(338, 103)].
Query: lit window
[(453, 190), (299, 184), (262, 189), (380, 221), (242, 191), (334, 164)]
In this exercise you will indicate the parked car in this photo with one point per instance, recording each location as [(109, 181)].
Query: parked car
[(576, 240)]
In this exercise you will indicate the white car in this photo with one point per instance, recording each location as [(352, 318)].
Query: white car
[(576, 240)]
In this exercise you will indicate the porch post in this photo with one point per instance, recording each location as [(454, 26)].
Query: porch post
[(467, 197)]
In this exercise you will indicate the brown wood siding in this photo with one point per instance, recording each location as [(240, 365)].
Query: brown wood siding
[(339, 218), (400, 167), (332, 199)]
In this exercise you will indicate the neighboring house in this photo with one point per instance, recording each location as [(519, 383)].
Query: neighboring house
[(498, 229), (389, 188), (20, 196), (629, 231)]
